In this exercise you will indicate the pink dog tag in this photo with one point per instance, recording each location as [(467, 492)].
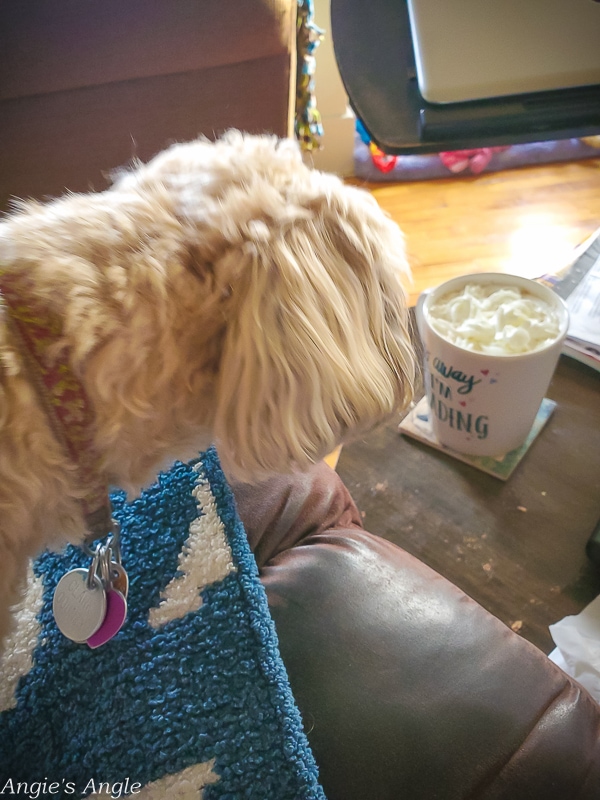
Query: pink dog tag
[(116, 613)]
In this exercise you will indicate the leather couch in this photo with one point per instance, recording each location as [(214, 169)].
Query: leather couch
[(87, 86), (408, 689)]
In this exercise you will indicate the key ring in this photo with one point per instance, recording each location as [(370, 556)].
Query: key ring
[(114, 536), (114, 541), (105, 559), (102, 556), (93, 569)]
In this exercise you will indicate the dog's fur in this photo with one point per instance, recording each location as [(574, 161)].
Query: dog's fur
[(222, 292)]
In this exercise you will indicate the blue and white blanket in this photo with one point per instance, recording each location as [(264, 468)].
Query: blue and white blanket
[(189, 700)]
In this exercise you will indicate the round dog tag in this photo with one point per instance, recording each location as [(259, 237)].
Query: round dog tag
[(79, 609), (116, 612), (119, 579)]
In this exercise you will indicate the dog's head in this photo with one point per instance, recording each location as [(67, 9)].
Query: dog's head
[(305, 275)]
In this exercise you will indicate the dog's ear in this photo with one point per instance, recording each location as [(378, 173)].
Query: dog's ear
[(317, 346)]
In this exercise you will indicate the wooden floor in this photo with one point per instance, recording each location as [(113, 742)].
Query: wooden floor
[(525, 221)]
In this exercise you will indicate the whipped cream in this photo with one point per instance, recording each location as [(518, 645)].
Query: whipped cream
[(493, 319)]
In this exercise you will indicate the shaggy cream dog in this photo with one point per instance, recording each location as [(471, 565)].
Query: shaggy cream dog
[(221, 293)]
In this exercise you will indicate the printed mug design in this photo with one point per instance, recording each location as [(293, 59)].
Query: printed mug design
[(450, 394), (485, 404)]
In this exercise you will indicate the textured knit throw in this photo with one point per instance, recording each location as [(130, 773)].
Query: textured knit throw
[(189, 700)]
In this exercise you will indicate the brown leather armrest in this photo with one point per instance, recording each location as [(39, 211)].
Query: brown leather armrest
[(406, 686)]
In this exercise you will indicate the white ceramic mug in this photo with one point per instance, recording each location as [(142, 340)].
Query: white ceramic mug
[(485, 404)]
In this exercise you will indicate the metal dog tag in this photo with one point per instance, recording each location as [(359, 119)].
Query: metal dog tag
[(119, 579), (116, 613), (79, 604)]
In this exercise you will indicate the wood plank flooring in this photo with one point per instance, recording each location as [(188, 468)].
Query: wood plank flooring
[(525, 221)]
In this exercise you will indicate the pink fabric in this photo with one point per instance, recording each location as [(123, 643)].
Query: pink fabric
[(474, 160)]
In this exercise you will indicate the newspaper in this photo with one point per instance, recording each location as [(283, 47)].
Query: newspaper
[(584, 307), (578, 284)]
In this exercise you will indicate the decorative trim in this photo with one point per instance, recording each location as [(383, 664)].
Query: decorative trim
[(59, 390)]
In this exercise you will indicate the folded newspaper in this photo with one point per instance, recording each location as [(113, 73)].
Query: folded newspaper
[(579, 286)]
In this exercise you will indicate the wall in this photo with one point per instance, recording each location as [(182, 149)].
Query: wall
[(337, 153)]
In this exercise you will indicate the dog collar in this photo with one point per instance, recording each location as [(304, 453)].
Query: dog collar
[(60, 392)]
